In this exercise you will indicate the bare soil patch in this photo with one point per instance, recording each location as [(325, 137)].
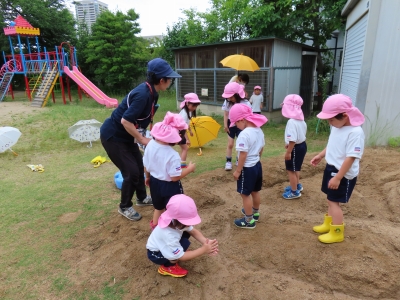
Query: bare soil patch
[(280, 259), (15, 109)]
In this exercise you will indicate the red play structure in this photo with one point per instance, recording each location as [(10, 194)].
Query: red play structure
[(44, 67)]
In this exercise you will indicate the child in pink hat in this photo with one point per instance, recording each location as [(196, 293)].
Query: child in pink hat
[(163, 164), (233, 93), (248, 173), (169, 241), (342, 154), (295, 144), (188, 110), (257, 100)]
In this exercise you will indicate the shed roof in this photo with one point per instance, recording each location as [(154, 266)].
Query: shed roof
[(243, 41)]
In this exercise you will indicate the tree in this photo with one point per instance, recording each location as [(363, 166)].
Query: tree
[(55, 21), (117, 56)]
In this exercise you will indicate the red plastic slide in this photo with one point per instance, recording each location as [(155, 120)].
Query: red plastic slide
[(90, 88)]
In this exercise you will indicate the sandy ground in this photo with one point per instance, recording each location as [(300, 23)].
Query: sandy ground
[(280, 259), (11, 110)]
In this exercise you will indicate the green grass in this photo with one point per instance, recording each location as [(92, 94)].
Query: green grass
[(33, 205)]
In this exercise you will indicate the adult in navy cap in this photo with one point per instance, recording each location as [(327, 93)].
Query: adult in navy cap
[(121, 132)]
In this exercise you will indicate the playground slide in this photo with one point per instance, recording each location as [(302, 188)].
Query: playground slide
[(90, 88)]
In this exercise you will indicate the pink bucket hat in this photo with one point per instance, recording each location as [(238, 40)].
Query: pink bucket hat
[(167, 131), (338, 104), (190, 98), (257, 87), (291, 107), (233, 88), (182, 208), (242, 111)]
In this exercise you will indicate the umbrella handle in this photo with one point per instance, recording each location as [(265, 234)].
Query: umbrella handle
[(15, 154), (200, 153)]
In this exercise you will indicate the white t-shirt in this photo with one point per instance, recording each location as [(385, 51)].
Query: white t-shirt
[(250, 140), (162, 161), (234, 79), (256, 101), (347, 141), (295, 131), (185, 115), (166, 240), (227, 107)]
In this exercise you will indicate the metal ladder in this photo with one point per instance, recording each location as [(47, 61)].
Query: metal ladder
[(43, 93), (5, 82)]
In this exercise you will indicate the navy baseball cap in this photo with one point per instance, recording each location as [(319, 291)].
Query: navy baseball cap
[(161, 69)]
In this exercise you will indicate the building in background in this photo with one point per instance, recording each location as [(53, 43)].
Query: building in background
[(87, 11), (370, 65)]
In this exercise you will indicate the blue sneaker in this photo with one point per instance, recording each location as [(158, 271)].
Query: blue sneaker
[(242, 223), (290, 195), (256, 216), (299, 188)]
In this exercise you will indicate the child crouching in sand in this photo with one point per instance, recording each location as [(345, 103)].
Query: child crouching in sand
[(169, 241)]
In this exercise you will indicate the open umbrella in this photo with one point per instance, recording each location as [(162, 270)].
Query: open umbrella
[(8, 138), (240, 62), (204, 129), (85, 131)]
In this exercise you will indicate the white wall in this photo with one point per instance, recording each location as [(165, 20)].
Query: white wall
[(382, 106)]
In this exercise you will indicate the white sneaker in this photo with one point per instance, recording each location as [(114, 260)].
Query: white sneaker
[(228, 166)]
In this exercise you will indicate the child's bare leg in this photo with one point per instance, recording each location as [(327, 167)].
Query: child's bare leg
[(157, 213), (336, 212), (292, 180), (256, 200), (298, 177), (184, 152), (229, 147), (247, 204)]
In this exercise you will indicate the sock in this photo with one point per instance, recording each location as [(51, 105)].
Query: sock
[(255, 211), (169, 264), (228, 159), (248, 218), (294, 192)]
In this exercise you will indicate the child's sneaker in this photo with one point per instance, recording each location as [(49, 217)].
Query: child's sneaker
[(242, 223), (130, 213), (228, 166), (145, 202), (290, 195), (174, 271), (256, 216), (289, 188)]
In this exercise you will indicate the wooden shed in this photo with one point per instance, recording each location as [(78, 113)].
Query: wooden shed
[(285, 68)]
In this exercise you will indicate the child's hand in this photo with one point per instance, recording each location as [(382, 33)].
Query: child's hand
[(286, 146), (192, 167), (236, 175), (226, 129), (333, 184), (188, 142), (211, 247), (191, 133), (316, 160), (288, 156)]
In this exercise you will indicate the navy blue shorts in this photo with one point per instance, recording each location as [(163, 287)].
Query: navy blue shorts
[(250, 180), (161, 191), (233, 131), (157, 257), (296, 157), (346, 186)]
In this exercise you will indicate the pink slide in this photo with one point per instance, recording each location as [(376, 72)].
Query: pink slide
[(90, 88)]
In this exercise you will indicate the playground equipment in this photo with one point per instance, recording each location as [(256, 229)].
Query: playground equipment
[(46, 67)]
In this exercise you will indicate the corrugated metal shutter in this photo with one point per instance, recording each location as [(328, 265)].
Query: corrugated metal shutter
[(353, 54)]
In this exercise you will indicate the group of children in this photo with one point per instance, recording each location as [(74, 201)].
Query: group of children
[(175, 214)]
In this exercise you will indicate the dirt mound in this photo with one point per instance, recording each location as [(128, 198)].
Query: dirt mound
[(280, 259)]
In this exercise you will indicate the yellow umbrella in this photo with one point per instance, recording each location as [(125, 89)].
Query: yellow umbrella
[(204, 129), (240, 62)]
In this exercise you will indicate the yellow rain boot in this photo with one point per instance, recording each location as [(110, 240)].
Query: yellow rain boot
[(335, 235), (324, 227)]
